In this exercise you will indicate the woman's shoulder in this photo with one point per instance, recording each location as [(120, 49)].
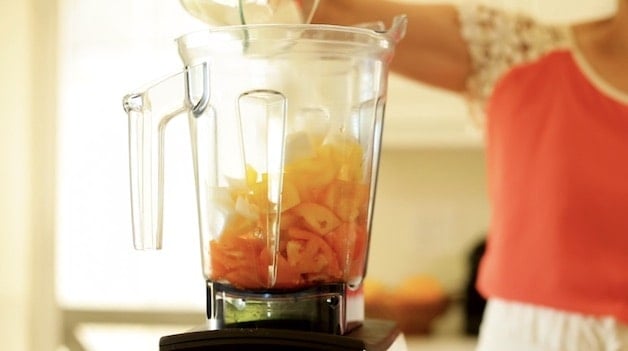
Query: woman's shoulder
[(507, 22), (500, 40)]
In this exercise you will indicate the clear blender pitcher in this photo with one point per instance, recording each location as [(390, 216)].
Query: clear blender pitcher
[(286, 125)]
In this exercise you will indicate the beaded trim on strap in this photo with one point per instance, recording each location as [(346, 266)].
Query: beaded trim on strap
[(498, 41)]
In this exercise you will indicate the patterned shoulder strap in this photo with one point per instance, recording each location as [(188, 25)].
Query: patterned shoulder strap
[(499, 41)]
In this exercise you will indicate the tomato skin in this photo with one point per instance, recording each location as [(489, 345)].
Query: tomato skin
[(348, 200), (287, 276), (231, 260), (318, 257), (316, 217), (349, 243)]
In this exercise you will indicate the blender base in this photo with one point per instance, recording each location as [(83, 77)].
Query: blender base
[(372, 335), (325, 308)]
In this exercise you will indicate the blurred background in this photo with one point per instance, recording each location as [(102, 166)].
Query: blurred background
[(69, 277)]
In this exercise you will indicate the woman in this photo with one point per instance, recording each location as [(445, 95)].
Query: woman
[(555, 102)]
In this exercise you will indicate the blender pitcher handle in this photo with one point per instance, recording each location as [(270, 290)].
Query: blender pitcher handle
[(149, 111)]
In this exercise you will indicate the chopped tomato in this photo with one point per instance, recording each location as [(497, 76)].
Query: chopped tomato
[(322, 228), (231, 260), (349, 243), (317, 256), (317, 218), (346, 199)]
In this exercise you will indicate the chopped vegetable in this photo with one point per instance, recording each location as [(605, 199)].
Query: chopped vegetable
[(322, 233)]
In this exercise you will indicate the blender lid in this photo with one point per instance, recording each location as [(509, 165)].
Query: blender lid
[(373, 335)]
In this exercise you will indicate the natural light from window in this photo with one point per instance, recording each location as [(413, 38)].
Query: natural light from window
[(108, 49)]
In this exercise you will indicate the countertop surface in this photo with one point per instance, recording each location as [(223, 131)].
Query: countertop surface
[(446, 334), (440, 343)]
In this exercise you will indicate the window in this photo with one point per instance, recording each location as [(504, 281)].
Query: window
[(108, 49)]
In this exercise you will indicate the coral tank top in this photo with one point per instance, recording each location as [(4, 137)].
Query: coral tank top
[(557, 155), (557, 158)]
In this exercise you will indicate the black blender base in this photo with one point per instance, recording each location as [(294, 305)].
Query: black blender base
[(372, 335)]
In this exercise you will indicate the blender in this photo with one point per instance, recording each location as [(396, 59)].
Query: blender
[(285, 125)]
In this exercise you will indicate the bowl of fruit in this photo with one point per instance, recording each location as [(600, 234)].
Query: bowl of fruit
[(415, 303)]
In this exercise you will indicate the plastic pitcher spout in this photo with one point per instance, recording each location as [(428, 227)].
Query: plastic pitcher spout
[(395, 33), (398, 29)]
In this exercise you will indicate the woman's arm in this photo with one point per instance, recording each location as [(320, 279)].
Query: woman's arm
[(433, 50)]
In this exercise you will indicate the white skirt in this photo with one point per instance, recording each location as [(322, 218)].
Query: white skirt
[(512, 326)]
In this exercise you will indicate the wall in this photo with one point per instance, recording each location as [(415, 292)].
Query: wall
[(27, 114), (15, 33), (431, 208)]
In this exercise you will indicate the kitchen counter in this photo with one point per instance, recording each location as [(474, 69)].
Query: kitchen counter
[(440, 343), (446, 334)]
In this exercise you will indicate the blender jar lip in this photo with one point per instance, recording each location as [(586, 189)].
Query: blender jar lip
[(297, 26), (373, 32)]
